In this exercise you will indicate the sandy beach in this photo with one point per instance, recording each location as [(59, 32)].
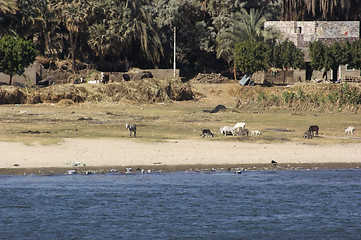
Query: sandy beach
[(122, 153)]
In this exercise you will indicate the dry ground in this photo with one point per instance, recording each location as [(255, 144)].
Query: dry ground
[(49, 123)]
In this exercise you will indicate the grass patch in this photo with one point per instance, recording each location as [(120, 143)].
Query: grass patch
[(162, 122)]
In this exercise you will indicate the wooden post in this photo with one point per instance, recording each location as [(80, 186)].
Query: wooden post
[(174, 60)]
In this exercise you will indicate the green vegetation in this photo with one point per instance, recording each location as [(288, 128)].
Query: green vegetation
[(251, 56), (15, 55), (162, 122), (327, 98), (287, 55), (109, 35), (325, 58), (328, 10)]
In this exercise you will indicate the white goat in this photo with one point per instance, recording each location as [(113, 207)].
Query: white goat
[(227, 130), (239, 125), (131, 128), (255, 133), (350, 130)]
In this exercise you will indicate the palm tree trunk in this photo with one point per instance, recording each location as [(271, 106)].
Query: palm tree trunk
[(72, 43), (234, 71)]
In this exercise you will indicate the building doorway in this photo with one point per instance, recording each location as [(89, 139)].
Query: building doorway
[(309, 71)]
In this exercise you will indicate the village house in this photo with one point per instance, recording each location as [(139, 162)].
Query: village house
[(301, 33), (31, 76)]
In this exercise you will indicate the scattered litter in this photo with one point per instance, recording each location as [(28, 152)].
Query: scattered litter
[(70, 172), (76, 164)]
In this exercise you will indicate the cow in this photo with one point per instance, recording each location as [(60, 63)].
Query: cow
[(314, 129)]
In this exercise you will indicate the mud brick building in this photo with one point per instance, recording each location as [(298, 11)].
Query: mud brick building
[(301, 33)]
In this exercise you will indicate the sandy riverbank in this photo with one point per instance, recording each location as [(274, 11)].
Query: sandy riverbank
[(178, 153)]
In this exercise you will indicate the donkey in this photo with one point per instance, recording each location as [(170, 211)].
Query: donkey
[(131, 128), (207, 133)]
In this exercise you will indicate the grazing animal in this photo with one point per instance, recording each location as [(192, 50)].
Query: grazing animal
[(314, 129), (207, 133), (239, 125), (104, 78), (307, 135), (131, 128), (244, 132), (227, 130), (218, 108), (255, 133), (350, 130)]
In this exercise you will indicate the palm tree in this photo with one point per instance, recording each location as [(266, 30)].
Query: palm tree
[(73, 14), (99, 40), (110, 30), (320, 10), (145, 32), (8, 6), (244, 27)]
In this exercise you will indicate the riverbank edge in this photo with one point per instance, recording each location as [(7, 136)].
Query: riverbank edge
[(146, 169)]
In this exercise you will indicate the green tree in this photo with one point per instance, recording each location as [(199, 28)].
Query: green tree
[(286, 55), (326, 10), (244, 27), (354, 51), (325, 58), (7, 7), (74, 15), (144, 32), (319, 56), (195, 34), (15, 55), (252, 56), (110, 33), (338, 55)]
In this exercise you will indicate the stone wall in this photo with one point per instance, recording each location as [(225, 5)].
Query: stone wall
[(136, 75), (301, 33), (31, 76)]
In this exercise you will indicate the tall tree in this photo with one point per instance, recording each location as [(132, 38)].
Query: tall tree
[(244, 27), (252, 56), (8, 6), (286, 55), (144, 31), (110, 31), (325, 58), (320, 10), (355, 53), (73, 14), (16, 54), (195, 34)]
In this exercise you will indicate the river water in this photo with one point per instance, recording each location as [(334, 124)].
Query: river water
[(315, 204)]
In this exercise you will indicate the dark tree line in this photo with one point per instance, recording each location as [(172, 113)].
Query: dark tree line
[(109, 34)]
